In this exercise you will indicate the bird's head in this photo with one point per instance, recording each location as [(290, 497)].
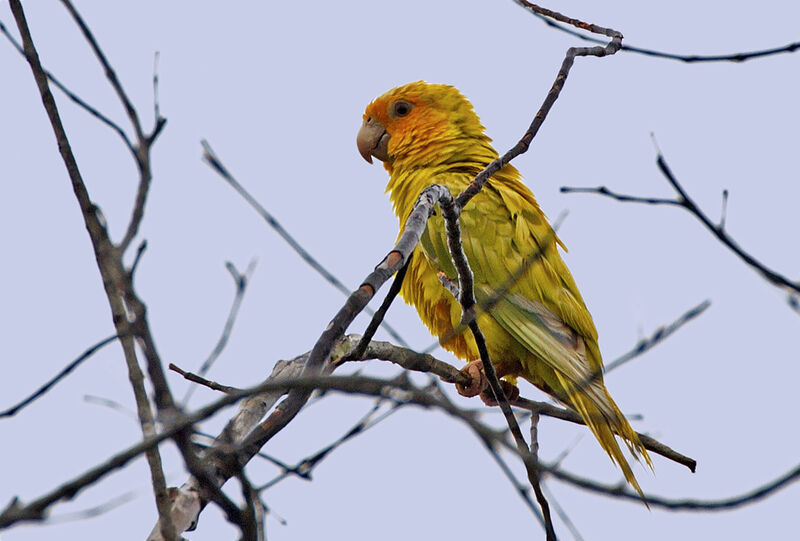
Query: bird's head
[(418, 123)]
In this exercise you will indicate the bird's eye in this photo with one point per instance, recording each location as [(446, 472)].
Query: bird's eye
[(401, 108)]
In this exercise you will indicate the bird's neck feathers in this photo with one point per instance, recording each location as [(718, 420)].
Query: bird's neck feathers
[(451, 160)]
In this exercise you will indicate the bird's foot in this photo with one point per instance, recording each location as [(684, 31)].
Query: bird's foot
[(478, 382), (511, 391), (479, 385)]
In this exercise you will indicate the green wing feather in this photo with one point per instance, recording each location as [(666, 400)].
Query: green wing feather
[(542, 312)]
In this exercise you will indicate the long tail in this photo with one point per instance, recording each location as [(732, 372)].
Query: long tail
[(606, 421)]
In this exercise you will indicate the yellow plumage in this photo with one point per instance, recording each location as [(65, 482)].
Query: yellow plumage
[(540, 329)]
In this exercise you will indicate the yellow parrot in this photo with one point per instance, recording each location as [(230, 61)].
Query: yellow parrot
[(540, 329)]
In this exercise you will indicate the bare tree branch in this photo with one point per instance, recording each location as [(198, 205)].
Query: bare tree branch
[(724, 504), (142, 149), (718, 230), (419, 362), (210, 157), (498, 294), (252, 524), (564, 414), (320, 354), (305, 467), (240, 281), (77, 100), (195, 378), (451, 213), (111, 75), (10, 412), (115, 279), (95, 511), (377, 318), (523, 144), (451, 210), (646, 344), (562, 514), (658, 336), (689, 59), (399, 390)]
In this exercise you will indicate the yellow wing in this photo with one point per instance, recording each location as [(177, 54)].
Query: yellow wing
[(540, 329)]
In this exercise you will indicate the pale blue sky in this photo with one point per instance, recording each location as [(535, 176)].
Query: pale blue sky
[(278, 89)]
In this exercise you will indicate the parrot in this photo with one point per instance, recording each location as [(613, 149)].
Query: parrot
[(538, 328)]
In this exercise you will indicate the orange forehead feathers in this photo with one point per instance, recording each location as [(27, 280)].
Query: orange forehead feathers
[(424, 110)]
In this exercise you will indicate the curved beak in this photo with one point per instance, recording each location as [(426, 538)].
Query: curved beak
[(372, 140)]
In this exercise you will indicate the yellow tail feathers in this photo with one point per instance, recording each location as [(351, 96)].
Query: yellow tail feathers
[(606, 422)]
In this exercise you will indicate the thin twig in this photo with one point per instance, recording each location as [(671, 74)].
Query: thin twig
[(724, 504), (522, 146), (305, 467), (411, 360), (215, 163), (562, 514), (645, 344), (111, 75), (793, 302), (110, 404), (128, 312), (658, 336), (689, 59), (602, 190), (376, 320), (466, 285), (77, 100), (195, 378), (500, 293), (156, 104), (137, 258), (141, 152), (718, 230), (37, 509), (415, 225), (10, 412), (523, 491), (452, 209), (252, 518), (564, 414), (241, 282), (95, 511)]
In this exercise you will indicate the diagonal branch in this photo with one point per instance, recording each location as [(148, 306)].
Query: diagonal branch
[(111, 75), (451, 211), (305, 467), (725, 504), (684, 201), (215, 163), (658, 336), (320, 354), (376, 320), (522, 146), (689, 59), (74, 97), (240, 282), (141, 151), (466, 285), (411, 360), (128, 312), (398, 390), (10, 412)]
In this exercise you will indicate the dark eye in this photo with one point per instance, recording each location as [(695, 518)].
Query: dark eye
[(401, 108)]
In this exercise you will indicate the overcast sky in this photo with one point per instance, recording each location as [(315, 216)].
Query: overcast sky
[(278, 89)]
